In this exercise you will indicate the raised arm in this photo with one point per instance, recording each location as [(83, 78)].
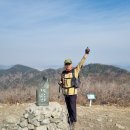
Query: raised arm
[(81, 63)]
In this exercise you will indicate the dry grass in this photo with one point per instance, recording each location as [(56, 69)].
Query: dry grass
[(17, 95), (107, 92)]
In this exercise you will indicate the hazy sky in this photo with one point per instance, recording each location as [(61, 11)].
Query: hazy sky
[(45, 32)]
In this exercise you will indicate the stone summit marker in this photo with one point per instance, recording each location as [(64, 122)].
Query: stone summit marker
[(42, 93)]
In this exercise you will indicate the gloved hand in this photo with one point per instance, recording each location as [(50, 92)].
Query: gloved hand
[(87, 50)]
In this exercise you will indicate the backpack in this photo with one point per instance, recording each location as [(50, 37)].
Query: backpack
[(75, 81)]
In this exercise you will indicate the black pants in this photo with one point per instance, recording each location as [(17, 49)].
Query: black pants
[(71, 106)]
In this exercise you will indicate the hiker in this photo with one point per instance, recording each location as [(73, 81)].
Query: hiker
[(69, 84)]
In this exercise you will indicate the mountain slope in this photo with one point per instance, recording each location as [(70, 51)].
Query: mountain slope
[(16, 68), (16, 76), (20, 75), (102, 69)]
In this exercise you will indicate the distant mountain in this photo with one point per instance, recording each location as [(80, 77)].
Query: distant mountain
[(23, 76), (44, 67)]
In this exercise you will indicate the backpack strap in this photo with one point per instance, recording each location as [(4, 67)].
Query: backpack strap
[(73, 76), (62, 75), (73, 73)]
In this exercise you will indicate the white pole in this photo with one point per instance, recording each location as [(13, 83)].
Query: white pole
[(90, 104)]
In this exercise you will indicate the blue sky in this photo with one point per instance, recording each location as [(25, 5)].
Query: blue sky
[(45, 32)]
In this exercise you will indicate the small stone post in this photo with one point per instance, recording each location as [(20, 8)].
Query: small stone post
[(42, 93)]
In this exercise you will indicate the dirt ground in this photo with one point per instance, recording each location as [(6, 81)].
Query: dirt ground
[(103, 118), (94, 118)]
